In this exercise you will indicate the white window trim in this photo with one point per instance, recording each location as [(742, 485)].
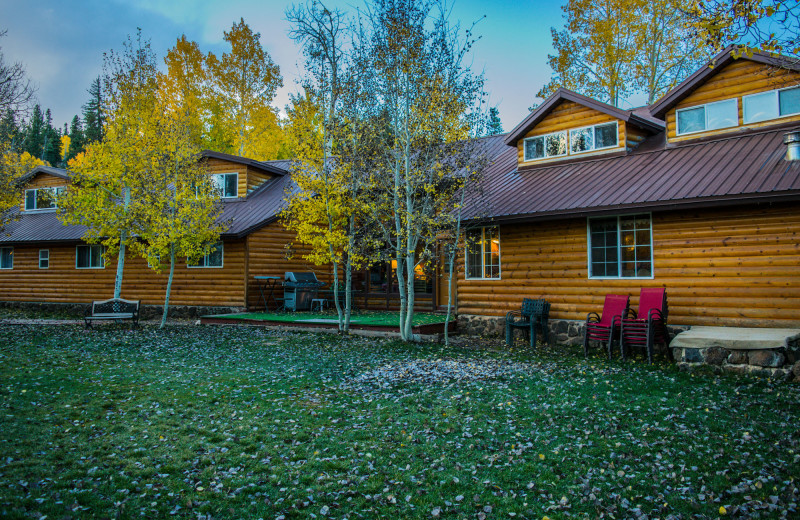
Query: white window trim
[(103, 260), (12, 258), (237, 184), (705, 114), (544, 136), (204, 258), (483, 256), (25, 201), (48, 258), (619, 252), (594, 149), (776, 101)]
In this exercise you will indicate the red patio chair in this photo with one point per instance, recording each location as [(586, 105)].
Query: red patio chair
[(647, 326), (605, 328)]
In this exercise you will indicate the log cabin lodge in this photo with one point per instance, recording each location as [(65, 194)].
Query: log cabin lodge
[(693, 193)]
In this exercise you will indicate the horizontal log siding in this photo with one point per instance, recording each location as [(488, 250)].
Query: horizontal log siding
[(42, 180), (256, 178), (267, 256), (733, 267), (63, 283), (740, 78), (568, 115), (221, 166)]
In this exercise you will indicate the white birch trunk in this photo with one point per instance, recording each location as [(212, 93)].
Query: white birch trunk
[(169, 285)]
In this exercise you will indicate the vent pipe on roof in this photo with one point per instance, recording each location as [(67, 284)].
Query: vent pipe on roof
[(792, 142)]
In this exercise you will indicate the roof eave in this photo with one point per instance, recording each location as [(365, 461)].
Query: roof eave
[(723, 58), (563, 94), (665, 205)]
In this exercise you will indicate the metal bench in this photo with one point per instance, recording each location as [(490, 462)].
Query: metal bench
[(112, 310)]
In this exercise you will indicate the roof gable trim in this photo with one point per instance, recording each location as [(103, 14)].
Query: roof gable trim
[(562, 94)]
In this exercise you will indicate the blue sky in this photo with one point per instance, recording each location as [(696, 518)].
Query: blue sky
[(62, 43)]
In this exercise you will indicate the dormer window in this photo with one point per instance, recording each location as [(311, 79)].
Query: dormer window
[(594, 137), (545, 146), (42, 198), (771, 105), (226, 184), (711, 116)]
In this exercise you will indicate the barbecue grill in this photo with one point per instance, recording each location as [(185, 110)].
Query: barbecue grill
[(299, 289)]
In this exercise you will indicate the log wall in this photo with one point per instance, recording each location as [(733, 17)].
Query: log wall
[(63, 283), (740, 78), (565, 116), (42, 180), (738, 267), (249, 178), (269, 256)]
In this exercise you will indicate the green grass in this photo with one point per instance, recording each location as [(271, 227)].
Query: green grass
[(360, 318), (227, 422)]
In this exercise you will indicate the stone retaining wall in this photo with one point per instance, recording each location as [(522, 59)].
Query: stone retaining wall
[(779, 363), (77, 310), (562, 332)]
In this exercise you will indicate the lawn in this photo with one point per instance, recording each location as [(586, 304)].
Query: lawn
[(369, 318), (225, 422)]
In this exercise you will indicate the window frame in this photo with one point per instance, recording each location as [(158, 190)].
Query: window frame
[(776, 103), (483, 255), (57, 191), (544, 146), (204, 258), (705, 117), (91, 247), (223, 196), (45, 259), (594, 138), (11, 255), (619, 248)]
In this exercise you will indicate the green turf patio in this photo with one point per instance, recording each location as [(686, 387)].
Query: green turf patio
[(424, 322)]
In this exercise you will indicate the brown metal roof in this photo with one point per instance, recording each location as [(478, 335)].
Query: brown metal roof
[(636, 117), (729, 170), (259, 208), (265, 166)]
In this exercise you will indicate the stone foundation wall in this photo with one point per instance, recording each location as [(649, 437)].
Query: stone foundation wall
[(562, 332), (77, 310), (779, 363)]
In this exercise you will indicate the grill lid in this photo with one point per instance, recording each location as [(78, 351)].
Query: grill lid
[(301, 277)]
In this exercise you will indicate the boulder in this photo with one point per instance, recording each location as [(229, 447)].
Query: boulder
[(737, 357), (766, 358), (715, 355)]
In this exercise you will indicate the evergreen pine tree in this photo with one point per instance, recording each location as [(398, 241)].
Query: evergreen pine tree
[(9, 131), (35, 133), (93, 114), (77, 139), (52, 143), (495, 126)]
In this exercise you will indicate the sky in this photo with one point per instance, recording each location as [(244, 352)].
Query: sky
[(61, 42)]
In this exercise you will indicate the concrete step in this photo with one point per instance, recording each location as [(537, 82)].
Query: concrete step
[(736, 338)]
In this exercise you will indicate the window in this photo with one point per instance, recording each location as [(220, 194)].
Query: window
[(771, 105), (227, 184), (593, 137), (6, 257), (89, 257), (712, 116), (42, 198), (212, 259), (44, 259), (550, 145), (621, 247), (483, 253)]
